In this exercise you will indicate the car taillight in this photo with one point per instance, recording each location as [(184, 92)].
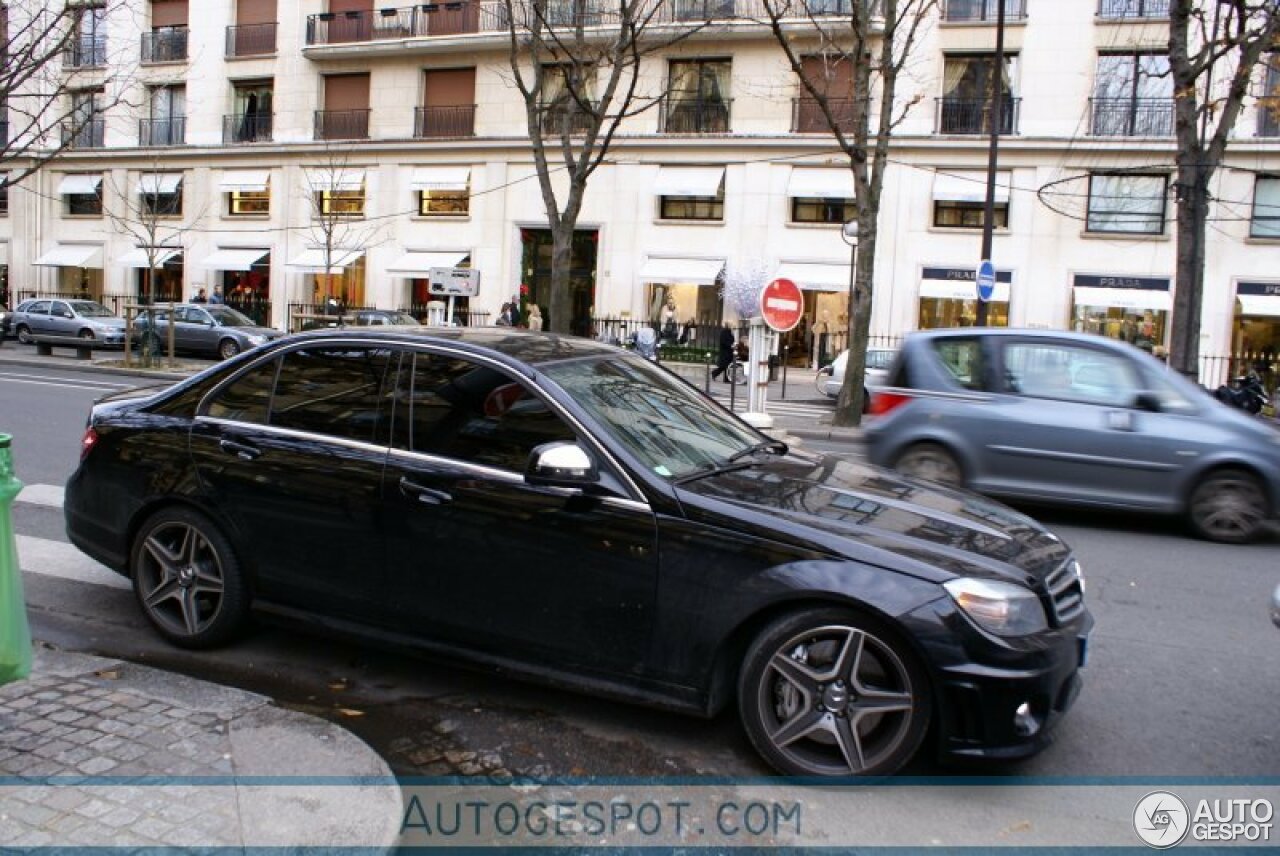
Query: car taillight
[(87, 442), (883, 402)]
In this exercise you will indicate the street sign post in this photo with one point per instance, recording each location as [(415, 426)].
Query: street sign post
[(781, 305), (986, 280)]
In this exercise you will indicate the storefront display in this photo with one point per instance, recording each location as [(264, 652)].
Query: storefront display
[(1133, 309), (1255, 339), (949, 298)]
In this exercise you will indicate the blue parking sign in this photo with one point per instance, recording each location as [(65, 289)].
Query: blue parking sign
[(986, 280)]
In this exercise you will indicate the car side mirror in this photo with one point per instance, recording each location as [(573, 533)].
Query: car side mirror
[(1147, 400), (561, 464)]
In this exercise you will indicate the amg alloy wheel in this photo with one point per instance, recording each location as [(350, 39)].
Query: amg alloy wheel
[(930, 462), (833, 693), (1228, 506)]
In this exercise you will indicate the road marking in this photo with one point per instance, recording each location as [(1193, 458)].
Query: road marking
[(60, 559), (64, 380), (47, 495), (63, 385)]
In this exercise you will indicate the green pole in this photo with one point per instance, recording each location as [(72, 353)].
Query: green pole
[(15, 637)]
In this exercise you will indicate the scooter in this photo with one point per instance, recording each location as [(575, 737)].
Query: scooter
[(1245, 392)]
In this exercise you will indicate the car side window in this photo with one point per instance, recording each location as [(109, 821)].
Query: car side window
[(1069, 373), (248, 397), (341, 391), (472, 412), (60, 310), (40, 307), (962, 357)]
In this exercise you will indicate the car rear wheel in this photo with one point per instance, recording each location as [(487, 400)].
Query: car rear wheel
[(228, 348), (187, 579), (830, 692), (1228, 506), (23, 332), (931, 462)]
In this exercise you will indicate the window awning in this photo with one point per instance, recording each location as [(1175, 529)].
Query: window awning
[(689, 181), (1259, 304), (244, 180), (137, 257), (335, 179), (312, 261), (961, 185), (72, 255), (79, 185), (947, 289), (663, 269), (155, 183), (1124, 298), (419, 264), (820, 184), (234, 258), (812, 276), (441, 178)]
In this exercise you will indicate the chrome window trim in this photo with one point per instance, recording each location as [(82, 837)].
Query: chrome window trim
[(294, 433)]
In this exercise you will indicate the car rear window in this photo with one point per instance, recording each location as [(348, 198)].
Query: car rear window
[(962, 358)]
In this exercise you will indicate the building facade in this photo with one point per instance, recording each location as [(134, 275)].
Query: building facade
[(290, 151)]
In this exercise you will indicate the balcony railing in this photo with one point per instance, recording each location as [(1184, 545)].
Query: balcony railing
[(973, 115), (556, 118), (246, 128), (456, 121), (1133, 8), (251, 40), (162, 132), (1131, 117), (168, 44), (984, 10), (86, 53), (807, 116), (1269, 117), (84, 135), (342, 124), (694, 116)]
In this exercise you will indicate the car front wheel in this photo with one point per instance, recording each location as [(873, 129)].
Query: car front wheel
[(23, 332), (1228, 506), (830, 692), (930, 462), (228, 348), (187, 579), (86, 334)]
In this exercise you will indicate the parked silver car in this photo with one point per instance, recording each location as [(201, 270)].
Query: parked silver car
[(831, 377), (1073, 419), (84, 319), (203, 328)]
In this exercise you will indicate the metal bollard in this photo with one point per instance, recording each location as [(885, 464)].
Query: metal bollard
[(15, 636), (785, 349)]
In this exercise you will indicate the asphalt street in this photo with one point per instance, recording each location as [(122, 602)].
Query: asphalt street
[(1183, 679)]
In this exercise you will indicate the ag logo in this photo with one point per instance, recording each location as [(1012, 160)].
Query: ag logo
[(1161, 820)]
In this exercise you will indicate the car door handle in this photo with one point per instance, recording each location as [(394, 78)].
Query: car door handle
[(1119, 420), (422, 493), (243, 451)]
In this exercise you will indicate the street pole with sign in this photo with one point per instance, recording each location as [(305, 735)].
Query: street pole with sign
[(781, 307), (996, 112)]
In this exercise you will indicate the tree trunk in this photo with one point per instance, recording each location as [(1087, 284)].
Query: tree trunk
[(561, 298), (1193, 211), (850, 403)]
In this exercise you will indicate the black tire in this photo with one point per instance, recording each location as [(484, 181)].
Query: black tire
[(1229, 506), (87, 335), (23, 332), (228, 348), (187, 579), (833, 692), (930, 462)]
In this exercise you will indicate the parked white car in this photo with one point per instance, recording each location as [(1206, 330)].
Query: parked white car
[(831, 377)]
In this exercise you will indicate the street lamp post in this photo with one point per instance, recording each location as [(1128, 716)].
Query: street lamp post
[(849, 233)]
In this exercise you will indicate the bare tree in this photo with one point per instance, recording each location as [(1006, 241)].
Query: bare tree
[(864, 50), (1215, 49), (576, 64)]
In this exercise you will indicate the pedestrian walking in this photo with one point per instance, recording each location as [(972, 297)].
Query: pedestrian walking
[(216, 297), (725, 356), (200, 297), (15, 636)]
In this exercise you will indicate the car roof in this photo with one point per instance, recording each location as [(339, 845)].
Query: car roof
[(1019, 333), (525, 346)]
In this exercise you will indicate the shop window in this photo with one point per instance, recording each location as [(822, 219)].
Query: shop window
[(339, 391), (1069, 373), (822, 210), (247, 203), (1265, 222), (1127, 204), (942, 312), (443, 203), (692, 207), (1143, 328), (83, 204), (952, 214), (340, 203)]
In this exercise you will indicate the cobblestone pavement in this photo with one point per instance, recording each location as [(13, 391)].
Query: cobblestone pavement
[(99, 752)]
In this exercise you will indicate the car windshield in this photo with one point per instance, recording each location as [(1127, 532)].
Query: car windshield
[(228, 317), (672, 428), (89, 309)]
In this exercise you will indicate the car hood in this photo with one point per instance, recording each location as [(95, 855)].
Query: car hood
[(269, 332), (874, 515), (105, 322)]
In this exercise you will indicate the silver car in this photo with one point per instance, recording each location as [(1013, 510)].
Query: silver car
[(830, 378), (84, 319), (1073, 419), (203, 328)]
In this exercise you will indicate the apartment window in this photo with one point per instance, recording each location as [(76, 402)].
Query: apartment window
[(832, 77), (161, 194), (448, 103), (1133, 96), (251, 121), (965, 105), (432, 203), (168, 122), (340, 203), (346, 108), (254, 32), (88, 44), (821, 210), (1127, 204), (698, 99), (85, 129), (562, 112), (1269, 101), (1265, 222), (1133, 8), (167, 41)]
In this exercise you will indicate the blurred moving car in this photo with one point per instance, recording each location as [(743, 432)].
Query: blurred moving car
[(604, 526), (831, 377), (1073, 419), (5, 315), (202, 328), (84, 319)]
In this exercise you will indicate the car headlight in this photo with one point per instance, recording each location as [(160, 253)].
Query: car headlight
[(256, 339), (1003, 608)]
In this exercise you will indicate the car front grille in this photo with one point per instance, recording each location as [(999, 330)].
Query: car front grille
[(1065, 593)]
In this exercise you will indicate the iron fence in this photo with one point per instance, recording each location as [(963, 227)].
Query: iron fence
[(258, 311), (1132, 117), (455, 121), (983, 10), (162, 132), (167, 44), (86, 53), (1218, 369), (973, 115), (251, 40), (682, 115), (246, 128), (89, 134), (1133, 8), (342, 124), (807, 117)]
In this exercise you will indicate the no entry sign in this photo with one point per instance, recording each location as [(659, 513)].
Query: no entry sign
[(781, 305)]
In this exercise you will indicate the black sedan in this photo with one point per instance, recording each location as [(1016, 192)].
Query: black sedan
[(557, 508)]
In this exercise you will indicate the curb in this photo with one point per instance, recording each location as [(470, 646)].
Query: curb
[(17, 359), (831, 433)]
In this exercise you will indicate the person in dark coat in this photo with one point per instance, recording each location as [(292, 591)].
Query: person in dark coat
[(725, 357)]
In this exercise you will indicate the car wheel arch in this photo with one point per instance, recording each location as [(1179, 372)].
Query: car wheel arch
[(948, 444), (144, 512), (1225, 465)]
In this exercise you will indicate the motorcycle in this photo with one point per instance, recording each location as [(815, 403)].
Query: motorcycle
[(1245, 392)]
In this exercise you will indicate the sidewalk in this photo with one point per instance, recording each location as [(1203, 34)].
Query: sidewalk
[(99, 752)]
